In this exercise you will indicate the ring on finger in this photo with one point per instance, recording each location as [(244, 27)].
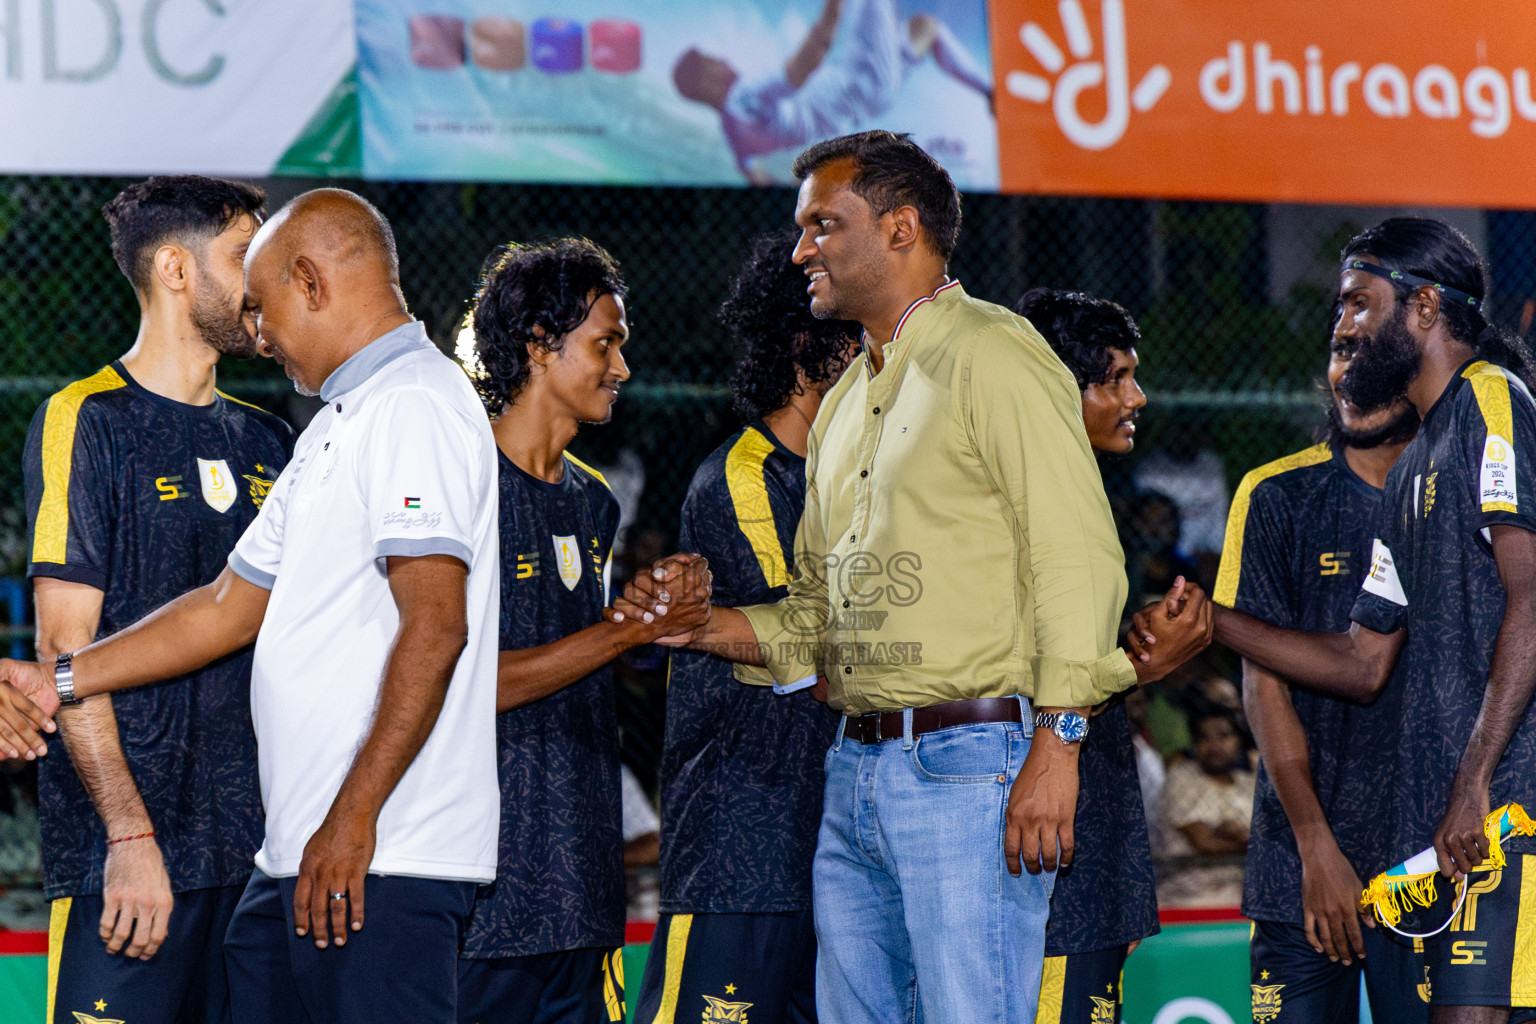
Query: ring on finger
[(338, 895)]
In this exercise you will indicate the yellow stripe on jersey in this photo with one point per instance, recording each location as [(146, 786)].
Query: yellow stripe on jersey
[(1053, 988), (1491, 387), (1237, 519), (51, 538), (677, 947), (749, 498), (1522, 972), (600, 478), (238, 401), (58, 917)]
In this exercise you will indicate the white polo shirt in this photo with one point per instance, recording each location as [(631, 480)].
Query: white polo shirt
[(399, 462)]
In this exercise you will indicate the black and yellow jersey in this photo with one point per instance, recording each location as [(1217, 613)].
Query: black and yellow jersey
[(1298, 544), (1433, 574), (741, 771), (560, 872), (143, 498)]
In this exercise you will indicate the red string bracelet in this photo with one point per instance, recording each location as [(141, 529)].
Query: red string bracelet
[(129, 839)]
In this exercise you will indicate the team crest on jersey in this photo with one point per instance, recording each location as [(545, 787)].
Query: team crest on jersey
[(1423, 988), (718, 1011), (218, 483), (1103, 1011), (567, 559), (1266, 1003)]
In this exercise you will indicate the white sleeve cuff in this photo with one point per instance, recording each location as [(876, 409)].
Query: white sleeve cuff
[(248, 572), (802, 684)]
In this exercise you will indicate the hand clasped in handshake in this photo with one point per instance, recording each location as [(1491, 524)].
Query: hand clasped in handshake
[(671, 599)]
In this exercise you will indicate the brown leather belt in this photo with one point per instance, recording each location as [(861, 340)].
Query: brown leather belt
[(879, 726)]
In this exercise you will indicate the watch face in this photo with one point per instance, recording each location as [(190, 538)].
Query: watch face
[(1071, 727)]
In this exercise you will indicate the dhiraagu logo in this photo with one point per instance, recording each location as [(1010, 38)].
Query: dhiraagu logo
[(1106, 65)]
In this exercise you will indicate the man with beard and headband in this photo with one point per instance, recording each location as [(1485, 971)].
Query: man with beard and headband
[(543, 943), (139, 480), (1444, 628), (1298, 543)]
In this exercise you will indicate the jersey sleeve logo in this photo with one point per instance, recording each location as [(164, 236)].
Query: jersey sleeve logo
[(1497, 486), (1382, 580), (218, 483), (568, 559)]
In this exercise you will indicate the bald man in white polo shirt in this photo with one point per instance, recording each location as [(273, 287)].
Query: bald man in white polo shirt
[(369, 582)]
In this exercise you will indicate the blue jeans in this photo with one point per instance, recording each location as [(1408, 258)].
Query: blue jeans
[(917, 917)]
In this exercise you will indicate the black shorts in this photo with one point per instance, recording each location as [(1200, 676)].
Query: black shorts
[(1292, 983), (1487, 957), (184, 982), (730, 967), (574, 986), (402, 965), (1082, 988)]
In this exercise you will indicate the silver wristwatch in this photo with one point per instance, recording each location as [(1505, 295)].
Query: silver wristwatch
[(64, 679), (1069, 726)]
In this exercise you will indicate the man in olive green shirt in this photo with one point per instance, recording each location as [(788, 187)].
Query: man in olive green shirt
[(955, 564)]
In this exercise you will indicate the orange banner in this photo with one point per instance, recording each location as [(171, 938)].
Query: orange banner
[(1300, 100)]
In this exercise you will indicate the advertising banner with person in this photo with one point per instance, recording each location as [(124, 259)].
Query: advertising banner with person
[(243, 87), (665, 92), (1273, 101)]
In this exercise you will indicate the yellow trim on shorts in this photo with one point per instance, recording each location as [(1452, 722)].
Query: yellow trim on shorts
[(1053, 989), (1522, 970), (677, 947), (613, 985), (749, 500), (1237, 519), (50, 538), (58, 918)]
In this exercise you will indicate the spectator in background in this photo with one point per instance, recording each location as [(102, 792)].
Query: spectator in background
[(1155, 558), (1186, 469), (1207, 803)]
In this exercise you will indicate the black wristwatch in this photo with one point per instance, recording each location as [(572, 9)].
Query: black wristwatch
[(64, 680)]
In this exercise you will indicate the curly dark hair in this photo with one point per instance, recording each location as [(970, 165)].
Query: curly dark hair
[(769, 316), (1082, 329), (550, 285), (186, 208)]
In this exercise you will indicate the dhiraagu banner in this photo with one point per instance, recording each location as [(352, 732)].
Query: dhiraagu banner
[(665, 92), (238, 87)]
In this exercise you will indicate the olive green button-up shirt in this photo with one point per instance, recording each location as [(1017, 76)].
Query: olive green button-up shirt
[(956, 540)]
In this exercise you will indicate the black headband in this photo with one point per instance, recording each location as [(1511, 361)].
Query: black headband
[(1403, 277)]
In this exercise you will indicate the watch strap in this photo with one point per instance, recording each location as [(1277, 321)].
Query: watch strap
[(64, 679)]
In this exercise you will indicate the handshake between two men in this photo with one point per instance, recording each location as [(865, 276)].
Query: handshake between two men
[(674, 598)]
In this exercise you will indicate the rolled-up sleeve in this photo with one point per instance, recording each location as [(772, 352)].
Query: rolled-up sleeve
[(1024, 413)]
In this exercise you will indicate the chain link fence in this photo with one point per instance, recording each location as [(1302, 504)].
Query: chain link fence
[(1233, 302)]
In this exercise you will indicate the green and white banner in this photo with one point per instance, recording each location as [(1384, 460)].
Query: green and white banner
[(238, 87)]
